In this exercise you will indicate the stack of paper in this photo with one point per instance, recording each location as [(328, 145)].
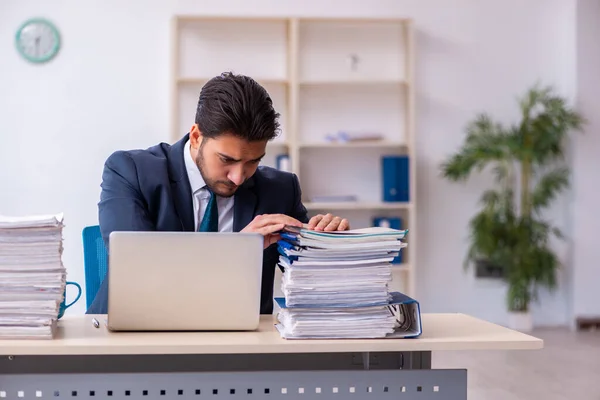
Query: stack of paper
[(336, 284), (335, 322), (400, 318), (32, 276)]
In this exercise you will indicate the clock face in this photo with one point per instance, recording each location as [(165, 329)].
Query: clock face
[(37, 40)]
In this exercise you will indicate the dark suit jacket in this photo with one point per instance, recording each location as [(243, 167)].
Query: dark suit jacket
[(149, 190)]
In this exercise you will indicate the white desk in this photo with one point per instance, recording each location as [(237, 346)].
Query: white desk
[(88, 362)]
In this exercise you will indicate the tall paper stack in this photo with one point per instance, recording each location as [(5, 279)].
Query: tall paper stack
[(32, 276), (336, 284)]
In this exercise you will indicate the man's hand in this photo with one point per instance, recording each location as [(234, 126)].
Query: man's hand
[(328, 223), (269, 225)]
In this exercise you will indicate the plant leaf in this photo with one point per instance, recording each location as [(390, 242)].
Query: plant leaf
[(485, 143), (548, 187)]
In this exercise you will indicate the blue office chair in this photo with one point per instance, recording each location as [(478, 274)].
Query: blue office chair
[(95, 258)]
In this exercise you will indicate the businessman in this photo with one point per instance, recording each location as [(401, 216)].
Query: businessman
[(210, 180)]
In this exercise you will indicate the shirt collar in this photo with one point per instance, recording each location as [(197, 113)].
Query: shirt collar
[(194, 175)]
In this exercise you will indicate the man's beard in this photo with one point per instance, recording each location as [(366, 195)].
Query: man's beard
[(212, 184)]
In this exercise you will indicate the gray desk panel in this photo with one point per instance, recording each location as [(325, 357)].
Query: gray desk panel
[(272, 385), (213, 362)]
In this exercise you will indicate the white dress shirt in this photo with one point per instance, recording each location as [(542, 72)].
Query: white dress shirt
[(201, 195)]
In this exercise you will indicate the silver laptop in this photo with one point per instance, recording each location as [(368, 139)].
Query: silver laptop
[(174, 281)]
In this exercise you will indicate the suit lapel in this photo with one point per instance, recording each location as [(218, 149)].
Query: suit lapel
[(182, 196), (180, 186), (244, 206)]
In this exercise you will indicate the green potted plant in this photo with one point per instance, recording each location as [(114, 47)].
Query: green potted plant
[(509, 231)]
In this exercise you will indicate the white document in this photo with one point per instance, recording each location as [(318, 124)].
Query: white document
[(31, 221), (32, 276), (336, 284), (364, 322)]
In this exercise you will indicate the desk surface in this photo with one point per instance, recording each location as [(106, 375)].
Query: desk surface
[(77, 336)]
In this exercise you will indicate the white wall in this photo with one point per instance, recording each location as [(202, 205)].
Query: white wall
[(109, 89), (106, 90), (586, 163)]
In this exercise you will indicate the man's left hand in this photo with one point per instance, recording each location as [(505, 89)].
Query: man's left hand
[(328, 223)]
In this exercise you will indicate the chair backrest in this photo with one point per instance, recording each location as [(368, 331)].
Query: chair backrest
[(95, 260)]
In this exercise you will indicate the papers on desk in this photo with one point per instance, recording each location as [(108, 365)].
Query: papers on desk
[(346, 268), (336, 285), (32, 276), (400, 318)]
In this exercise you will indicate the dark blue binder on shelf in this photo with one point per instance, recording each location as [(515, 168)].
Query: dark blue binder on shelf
[(395, 178)]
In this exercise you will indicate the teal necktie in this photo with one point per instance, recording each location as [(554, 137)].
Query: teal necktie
[(210, 220)]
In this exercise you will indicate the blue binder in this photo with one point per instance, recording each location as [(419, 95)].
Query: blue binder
[(406, 310), (395, 179), (283, 162)]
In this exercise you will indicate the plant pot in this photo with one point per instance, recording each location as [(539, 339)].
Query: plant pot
[(520, 321)]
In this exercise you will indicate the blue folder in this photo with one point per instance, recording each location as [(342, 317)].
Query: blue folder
[(395, 178), (406, 310)]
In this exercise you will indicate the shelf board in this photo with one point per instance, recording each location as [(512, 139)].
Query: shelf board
[(358, 205), (349, 82), (266, 18), (229, 18), (201, 81), (365, 20), (356, 144), (277, 144), (401, 267)]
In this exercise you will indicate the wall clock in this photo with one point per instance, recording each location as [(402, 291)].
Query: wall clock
[(37, 40)]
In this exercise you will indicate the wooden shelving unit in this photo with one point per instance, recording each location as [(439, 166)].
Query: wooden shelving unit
[(324, 75), (357, 206)]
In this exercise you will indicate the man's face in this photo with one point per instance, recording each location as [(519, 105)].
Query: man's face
[(226, 161)]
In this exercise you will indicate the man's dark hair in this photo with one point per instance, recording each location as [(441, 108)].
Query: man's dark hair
[(238, 105)]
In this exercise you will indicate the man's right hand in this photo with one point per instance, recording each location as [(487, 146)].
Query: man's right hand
[(269, 225)]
